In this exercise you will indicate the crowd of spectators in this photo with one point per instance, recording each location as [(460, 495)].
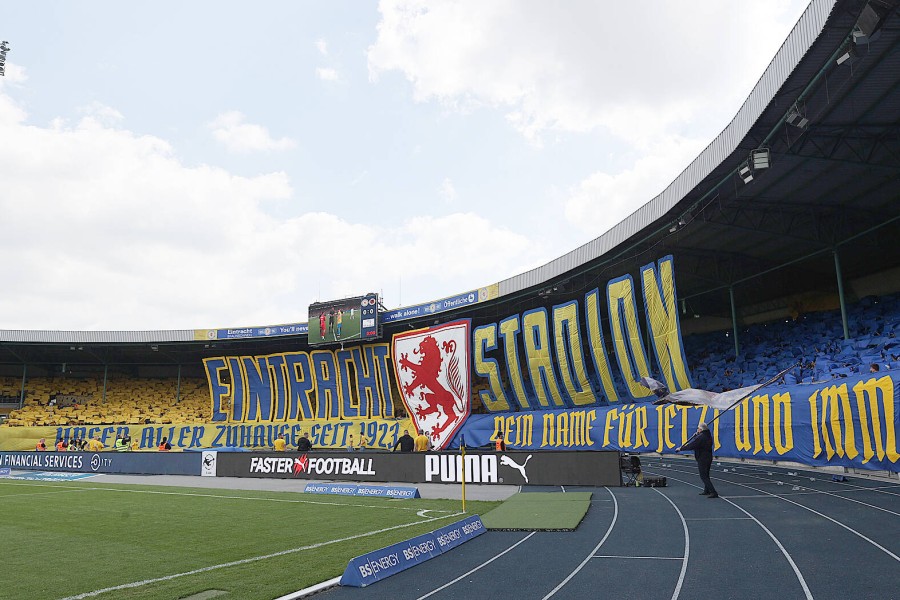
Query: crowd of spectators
[(813, 342)]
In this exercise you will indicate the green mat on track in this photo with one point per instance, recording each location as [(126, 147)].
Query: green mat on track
[(550, 511)]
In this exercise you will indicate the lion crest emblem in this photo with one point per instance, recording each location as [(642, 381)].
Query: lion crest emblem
[(432, 367)]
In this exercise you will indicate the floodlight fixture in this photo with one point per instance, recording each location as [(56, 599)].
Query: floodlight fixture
[(759, 159), (746, 172), (796, 118)]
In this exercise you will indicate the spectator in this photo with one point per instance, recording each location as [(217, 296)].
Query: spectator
[(702, 445), (164, 445), (303, 444), (41, 445), (280, 444), (405, 442), (350, 446), (500, 442), (121, 446), (73, 445), (95, 445), (61, 445), (874, 368), (363, 443), (422, 442)]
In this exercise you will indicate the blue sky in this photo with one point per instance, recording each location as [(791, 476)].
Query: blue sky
[(174, 165)]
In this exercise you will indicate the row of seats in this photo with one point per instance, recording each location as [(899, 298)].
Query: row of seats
[(814, 343), (127, 401)]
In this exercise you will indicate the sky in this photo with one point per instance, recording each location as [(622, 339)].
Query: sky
[(206, 164)]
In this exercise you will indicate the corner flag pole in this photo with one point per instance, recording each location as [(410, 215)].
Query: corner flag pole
[(462, 453)]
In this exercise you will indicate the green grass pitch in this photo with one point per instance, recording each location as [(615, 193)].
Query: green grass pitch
[(73, 539)]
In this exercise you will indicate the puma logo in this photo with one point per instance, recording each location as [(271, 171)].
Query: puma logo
[(505, 460)]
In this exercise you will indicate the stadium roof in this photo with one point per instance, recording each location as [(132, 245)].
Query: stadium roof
[(826, 113)]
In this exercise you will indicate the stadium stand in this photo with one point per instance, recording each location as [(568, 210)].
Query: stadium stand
[(128, 400), (813, 340)]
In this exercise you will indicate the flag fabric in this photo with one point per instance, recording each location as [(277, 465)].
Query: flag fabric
[(695, 397)]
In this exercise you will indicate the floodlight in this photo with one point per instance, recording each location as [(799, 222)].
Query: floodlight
[(759, 159), (746, 172)]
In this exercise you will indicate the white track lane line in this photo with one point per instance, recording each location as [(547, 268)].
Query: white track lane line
[(592, 552), (784, 552), (467, 573), (766, 480), (784, 471), (687, 546), (244, 561), (639, 557), (815, 512)]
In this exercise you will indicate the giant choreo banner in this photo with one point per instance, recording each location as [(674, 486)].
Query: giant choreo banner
[(379, 433), (849, 422), (543, 359)]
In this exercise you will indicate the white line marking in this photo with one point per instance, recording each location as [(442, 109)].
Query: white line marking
[(39, 493), (719, 518), (484, 564), (815, 491), (784, 551), (330, 583), (824, 516), (244, 561), (563, 488), (196, 495), (687, 546), (647, 557), (592, 552)]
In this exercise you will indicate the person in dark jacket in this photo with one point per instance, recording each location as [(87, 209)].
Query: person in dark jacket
[(303, 444), (405, 442), (702, 445)]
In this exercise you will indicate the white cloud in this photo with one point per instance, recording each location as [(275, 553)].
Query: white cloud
[(14, 74), (111, 230), (326, 74), (229, 129), (101, 113), (322, 46), (602, 200), (629, 68), (656, 79)]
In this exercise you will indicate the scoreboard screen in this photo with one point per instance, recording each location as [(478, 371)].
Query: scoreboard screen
[(346, 320)]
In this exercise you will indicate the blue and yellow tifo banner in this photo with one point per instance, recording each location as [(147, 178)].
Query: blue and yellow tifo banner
[(850, 422), (379, 434)]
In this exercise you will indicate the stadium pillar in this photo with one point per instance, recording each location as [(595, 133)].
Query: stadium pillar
[(105, 374), (178, 387), (734, 323), (840, 282), (22, 391)]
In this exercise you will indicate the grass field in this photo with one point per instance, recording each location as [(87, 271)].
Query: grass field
[(75, 539)]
